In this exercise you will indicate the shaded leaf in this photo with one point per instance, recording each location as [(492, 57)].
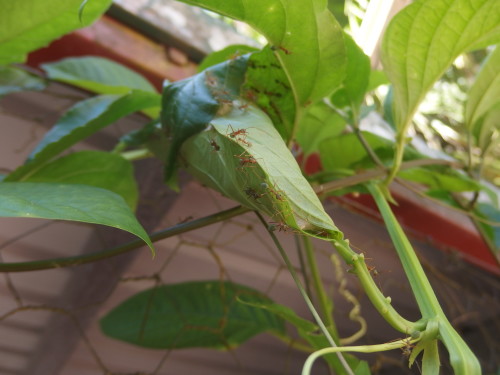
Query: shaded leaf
[(440, 179), (206, 314), (485, 129), (82, 203), (344, 151), (30, 24), (424, 39), (94, 168), (377, 78), (189, 105), (14, 79), (305, 36), (256, 169), (492, 214), (284, 312), (82, 120), (320, 122), (97, 74)]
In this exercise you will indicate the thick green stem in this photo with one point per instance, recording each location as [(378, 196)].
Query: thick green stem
[(132, 245), (398, 159), (379, 301), (422, 289), (325, 304)]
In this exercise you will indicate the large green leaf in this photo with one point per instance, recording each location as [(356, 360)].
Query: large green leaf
[(424, 39), (83, 203), (242, 156), (189, 105), (484, 93), (484, 131), (30, 24), (202, 314), (94, 168), (97, 74), (14, 79), (82, 120), (304, 34), (268, 86)]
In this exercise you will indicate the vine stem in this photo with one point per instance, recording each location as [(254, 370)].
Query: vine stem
[(306, 370), (306, 298), (325, 306), (121, 249)]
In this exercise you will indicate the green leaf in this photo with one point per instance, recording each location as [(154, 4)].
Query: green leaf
[(353, 89), (94, 168), (304, 34), (30, 24), (284, 312), (252, 165), (97, 74), (424, 39), (484, 93), (440, 179), (82, 203), (189, 105), (320, 122), (377, 78), (228, 53), (344, 151), (485, 128), (268, 86), (14, 79), (492, 214), (82, 120), (202, 314)]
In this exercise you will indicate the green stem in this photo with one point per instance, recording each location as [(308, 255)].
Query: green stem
[(121, 249), (379, 301), (325, 304), (136, 154), (424, 294), (306, 298), (398, 159)]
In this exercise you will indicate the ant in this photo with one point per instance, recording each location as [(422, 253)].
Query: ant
[(214, 145), (278, 194), (252, 193), (245, 142), (275, 48), (280, 227), (235, 133), (246, 159)]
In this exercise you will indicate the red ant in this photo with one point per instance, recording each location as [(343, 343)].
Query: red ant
[(278, 194), (274, 48), (246, 143), (246, 159), (281, 227), (235, 133)]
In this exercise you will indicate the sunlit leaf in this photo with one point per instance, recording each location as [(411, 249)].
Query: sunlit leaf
[(484, 94), (14, 79), (202, 314), (97, 74), (94, 168), (30, 24), (82, 120), (304, 35), (82, 203), (228, 53), (351, 93), (424, 39)]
